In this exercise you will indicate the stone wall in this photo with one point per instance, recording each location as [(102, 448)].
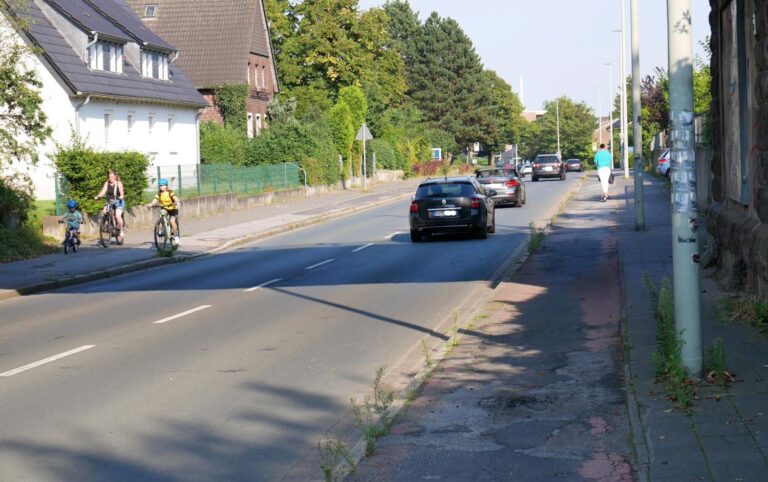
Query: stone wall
[(738, 237)]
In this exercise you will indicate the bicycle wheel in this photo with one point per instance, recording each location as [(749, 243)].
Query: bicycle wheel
[(105, 231), (73, 240), (161, 235), (66, 244)]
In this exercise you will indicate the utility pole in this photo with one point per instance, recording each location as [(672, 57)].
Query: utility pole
[(599, 115), (557, 108), (624, 153), (685, 220), (637, 129), (610, 93)]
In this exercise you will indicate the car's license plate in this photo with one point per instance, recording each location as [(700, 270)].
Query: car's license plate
[(547, 168), (443, 213)]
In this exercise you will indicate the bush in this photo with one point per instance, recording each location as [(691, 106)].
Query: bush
[(387, 155), (15, 200), (85, 172), (427, 168), (232, 101), (222, 144), (21, 243)]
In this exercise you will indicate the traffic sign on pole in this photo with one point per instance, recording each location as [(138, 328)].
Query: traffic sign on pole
[(364, 135)]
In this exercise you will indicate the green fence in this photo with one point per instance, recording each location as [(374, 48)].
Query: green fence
[(192, 180)]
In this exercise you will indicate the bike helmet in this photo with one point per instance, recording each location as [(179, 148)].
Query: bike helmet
[(163, 182), (72, 204)]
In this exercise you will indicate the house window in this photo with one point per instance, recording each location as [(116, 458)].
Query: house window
[(107, 125), (106, 56), (249, 125), (154, 65), (257, 124), (150, 11), (151, 122), (129, 120), (248, 73), (171, 123), (263, 77)]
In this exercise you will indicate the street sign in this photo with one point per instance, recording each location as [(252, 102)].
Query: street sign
[(364, 134)]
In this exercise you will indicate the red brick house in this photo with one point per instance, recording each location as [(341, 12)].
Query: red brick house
[(221, 42)]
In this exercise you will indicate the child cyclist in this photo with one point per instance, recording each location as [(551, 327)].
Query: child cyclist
[(73, 219), (168, 200)]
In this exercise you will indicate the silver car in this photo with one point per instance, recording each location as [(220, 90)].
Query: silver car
[(509, 187)]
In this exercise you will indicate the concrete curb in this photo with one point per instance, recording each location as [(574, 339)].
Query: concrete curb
[(155, 262)]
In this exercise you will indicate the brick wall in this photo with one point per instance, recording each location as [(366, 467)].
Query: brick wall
[(738, 228)]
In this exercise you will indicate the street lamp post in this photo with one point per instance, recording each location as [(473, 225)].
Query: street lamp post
[(624, 153), (637, 129), (610, 93), (557, 109), (599, 115)]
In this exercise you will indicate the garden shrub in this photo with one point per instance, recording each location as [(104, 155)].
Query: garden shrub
[(222, 144), (232, 101), (15, 200)]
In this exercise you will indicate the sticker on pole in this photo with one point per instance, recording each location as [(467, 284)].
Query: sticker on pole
[(364, 134)]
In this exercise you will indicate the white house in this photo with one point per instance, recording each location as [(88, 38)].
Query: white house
[(112, 82)]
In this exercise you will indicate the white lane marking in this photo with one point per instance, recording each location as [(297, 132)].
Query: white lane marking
[(320, 263), (357, 250), (193, 310), (390, 236), (263, 285), (46, 360)]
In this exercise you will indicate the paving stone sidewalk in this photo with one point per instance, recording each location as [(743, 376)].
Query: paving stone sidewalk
[(199, 236), (550, 384)]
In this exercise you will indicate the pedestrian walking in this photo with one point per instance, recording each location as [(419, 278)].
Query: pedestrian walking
[(604, 161)]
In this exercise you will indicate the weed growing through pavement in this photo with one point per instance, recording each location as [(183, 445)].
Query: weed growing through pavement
[(426, 352), (747, 309), (716, 364), (667, 359), (167, 252), (335, 459), (537, 238), (455, 339), (372, 414)]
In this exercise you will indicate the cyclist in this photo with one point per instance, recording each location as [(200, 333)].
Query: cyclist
[(114, 192), (73, 219), (168, 200)]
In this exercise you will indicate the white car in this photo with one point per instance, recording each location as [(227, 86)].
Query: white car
[(526, 169), (662, 165)]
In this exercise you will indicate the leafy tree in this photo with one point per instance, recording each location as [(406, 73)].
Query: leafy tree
[(23, 124), (506, 112), (342, 132), (282, 22), (577, 123), (358, 105)]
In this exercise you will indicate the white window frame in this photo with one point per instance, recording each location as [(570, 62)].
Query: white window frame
[(249, 125), (107, 125), (130, 119), (171, 123), (114, 60), (150, 11), (257, 124), (151, 122), (264, 77)]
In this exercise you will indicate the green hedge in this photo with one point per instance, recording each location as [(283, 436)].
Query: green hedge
[(15, 199), (232, 101), (387, 155), (222, 144), (85, 172)]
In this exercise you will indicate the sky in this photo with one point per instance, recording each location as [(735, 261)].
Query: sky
[(560, 47)]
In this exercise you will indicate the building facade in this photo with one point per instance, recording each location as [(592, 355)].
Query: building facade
[(108, 81), (222, 42), (737, 219)]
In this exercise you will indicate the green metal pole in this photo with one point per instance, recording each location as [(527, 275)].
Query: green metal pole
[(178, 169), (685, 221), (158, 177), (199, 171), (637, 118), (231, 179), (215, 178)]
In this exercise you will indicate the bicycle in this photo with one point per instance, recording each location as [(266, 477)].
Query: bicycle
[(71, 240), (163, 232), (108, 228)]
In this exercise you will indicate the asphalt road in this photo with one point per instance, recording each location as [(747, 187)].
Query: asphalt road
[(231, 367)]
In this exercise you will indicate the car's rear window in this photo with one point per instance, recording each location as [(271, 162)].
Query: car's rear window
[(489, 173), (445, 190), (547, 159)]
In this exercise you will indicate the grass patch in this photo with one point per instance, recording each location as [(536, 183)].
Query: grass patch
[(372, 414), (749, 310), (427, 353), (667, 359), (22, 243), (716, 364), (536, 238)]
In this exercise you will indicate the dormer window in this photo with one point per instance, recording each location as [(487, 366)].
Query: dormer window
[(154, 65), (105, 56), (150, 11)]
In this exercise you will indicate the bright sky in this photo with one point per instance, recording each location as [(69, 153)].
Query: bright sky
[(560, 46)]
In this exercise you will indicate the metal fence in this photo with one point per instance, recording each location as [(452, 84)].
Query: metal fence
[(193, 180), (207, 179)]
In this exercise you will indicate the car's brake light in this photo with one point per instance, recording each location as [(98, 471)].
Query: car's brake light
[(475, 203), (536, 165), (414, 207), (662, 161), (512, 183)]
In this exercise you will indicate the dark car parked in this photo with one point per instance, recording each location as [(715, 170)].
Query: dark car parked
[(574, 165), (452, 204), (509, 187), (548, 165)]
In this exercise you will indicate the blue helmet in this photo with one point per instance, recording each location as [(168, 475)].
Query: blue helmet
[(163, 182), (72, 204)]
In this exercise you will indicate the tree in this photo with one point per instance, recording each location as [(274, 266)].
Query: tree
[(447, 83), (23, 124), (577, 123), (506, 112), (342, 132)]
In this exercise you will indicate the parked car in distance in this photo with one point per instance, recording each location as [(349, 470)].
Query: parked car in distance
[(548, 165), (509, 187), (452, 204), (574, 165), (663, 164)]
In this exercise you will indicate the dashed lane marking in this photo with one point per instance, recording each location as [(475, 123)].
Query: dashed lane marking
[(185, 313), (45, 360)]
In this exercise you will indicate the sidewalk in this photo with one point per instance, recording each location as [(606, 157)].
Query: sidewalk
[(541, 388), (199, 237)]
